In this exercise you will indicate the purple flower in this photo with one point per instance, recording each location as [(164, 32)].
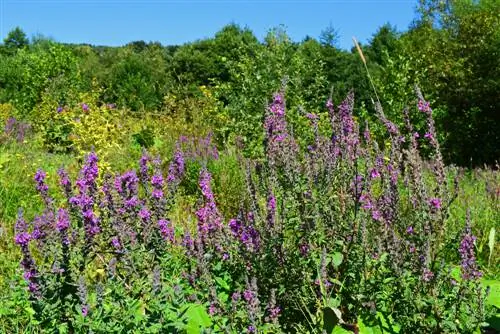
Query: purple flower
[(374, 173), (427, 275), (311, 116), (144, 214), (376, 215), (409, 230), (435, 203), (166, 231), (115, 242), (85, 107), (62, 220), (248, 295), (40, 176), (424, 106), (59, 109), (177, 166), (468, 260)]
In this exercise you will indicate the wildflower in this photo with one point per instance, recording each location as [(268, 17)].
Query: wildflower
[(144, 214), (40, 176), (177, 167), (468, 260), (115, 242), (424, 106), (427, 275), (435, 203), (376, 215), (59, 109), (85, 107), (374, 173), (409, 230), (166, 231)]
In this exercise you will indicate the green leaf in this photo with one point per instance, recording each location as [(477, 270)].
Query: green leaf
[(494, 295), (340, 330), (330, 319), (197, 318), (222, 283), (337, 258)]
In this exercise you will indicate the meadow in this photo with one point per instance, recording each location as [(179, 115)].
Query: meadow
[(331, 232), (232, 185)]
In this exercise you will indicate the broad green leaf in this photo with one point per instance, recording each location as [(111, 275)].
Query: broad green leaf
[(337, 258), (494, 295), (197, 318)]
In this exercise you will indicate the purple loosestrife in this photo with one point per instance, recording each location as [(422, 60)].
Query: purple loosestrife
[(87, 193), (65, 183), (166, 230), (273, 311), (209, 219), (144, 169), (348, 130), (82, 294), (62, 225), (157, 193), (468, 263), (438, 166), (127, 187), (22, 238), (42, 187), (251, 297), (271, 210), (176, 168), (281, 148)]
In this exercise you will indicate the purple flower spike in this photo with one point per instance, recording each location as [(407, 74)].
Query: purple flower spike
[(62, 220)]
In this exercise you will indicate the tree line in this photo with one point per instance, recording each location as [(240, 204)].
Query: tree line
[(451, 51)]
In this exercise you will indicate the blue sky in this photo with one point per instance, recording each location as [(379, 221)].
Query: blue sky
[(117, 22)]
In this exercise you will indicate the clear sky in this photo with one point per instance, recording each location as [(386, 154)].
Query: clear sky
[(117, 22)]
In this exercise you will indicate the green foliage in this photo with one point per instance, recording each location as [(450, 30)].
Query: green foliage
[(16, 39)]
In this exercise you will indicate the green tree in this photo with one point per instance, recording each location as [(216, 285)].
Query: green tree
[(16, 39)]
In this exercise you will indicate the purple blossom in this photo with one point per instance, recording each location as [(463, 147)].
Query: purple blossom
[(177, 166), (409, 230), (312, 117), (41, 186), (427, 275), (374, 173), (468, 260), (62, 220), (166, 230), (144, 214), (376, 215), (143, 167), (115, 242), (85, 107), (435, 203), (248, 295), (424, 106)]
